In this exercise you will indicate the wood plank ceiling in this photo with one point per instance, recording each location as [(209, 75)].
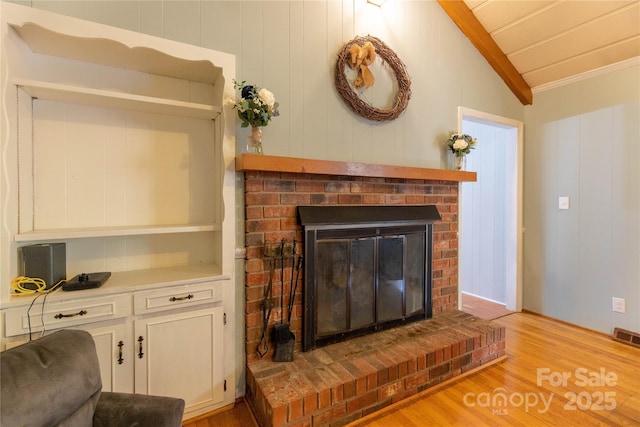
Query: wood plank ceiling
[(534, 44)]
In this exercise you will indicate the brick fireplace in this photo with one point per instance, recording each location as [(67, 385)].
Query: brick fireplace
[(327, 387)]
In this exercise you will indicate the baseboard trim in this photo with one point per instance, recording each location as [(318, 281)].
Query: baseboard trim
[(564, 322)]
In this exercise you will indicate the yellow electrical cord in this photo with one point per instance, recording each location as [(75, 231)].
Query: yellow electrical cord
[(19, 285)]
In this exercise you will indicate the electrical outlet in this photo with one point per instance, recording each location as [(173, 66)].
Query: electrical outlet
[(618, 305)]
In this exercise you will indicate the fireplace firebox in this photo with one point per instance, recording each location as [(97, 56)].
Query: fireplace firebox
[(367, 268)]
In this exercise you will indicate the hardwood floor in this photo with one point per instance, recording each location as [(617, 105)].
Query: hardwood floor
[(601, 385), (483, 308), (555, 375), (239, 416)]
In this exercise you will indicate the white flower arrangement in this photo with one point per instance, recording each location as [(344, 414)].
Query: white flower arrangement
[(256, 106), (460, 144)]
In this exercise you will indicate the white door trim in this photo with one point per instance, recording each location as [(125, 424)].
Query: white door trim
[(513, 296)]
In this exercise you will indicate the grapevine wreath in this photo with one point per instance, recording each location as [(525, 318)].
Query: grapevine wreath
[(347, 91)]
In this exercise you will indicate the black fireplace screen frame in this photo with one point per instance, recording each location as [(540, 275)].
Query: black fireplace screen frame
[(336, 223)]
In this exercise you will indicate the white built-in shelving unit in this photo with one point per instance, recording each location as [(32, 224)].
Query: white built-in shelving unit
[(116, 143), (131, 95)]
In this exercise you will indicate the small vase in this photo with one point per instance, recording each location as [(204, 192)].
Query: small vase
[(254, 141), (458, 161)]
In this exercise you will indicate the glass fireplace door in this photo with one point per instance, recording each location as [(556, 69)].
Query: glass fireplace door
[(345, 291), (365, 281)]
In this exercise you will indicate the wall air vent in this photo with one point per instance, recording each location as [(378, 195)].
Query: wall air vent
[(626, 337)]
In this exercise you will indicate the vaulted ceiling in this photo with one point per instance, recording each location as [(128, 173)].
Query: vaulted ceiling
[(534, 44)]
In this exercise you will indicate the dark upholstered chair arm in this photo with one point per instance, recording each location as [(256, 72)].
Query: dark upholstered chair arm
[(139, 410)]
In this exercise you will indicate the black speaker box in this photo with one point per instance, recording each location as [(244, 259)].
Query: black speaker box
[(47, 261)]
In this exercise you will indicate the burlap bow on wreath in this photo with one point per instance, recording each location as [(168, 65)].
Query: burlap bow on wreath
[(361, 58)]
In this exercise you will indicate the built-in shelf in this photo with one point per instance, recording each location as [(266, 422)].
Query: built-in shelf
[(114, 50), (83, 233), (183, 274), (134, 280), (110, 99), (256, 162)]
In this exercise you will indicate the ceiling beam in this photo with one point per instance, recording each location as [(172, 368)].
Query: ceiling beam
[(464, 18)]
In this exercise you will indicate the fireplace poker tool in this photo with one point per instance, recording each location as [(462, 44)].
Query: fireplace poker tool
[(282, 246), (295, 286), (283, 336), (267, 305), (293, 265), (294, 282)]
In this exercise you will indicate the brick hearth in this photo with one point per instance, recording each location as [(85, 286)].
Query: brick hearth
[(342, 382)]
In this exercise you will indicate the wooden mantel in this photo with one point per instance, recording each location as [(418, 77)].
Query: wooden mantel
[(256, 162)]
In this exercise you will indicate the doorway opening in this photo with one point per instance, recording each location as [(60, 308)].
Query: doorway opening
[(490, 213)]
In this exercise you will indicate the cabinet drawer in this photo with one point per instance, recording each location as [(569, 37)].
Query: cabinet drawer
[(176, 297), (64, 314)]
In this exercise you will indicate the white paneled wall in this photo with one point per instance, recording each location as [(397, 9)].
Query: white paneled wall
[(586, 148), (290, 48)]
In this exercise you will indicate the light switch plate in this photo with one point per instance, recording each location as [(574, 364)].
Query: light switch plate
[(563, 202)]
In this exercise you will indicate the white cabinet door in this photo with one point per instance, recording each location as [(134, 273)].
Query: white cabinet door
[(115, 348), (181, 355)]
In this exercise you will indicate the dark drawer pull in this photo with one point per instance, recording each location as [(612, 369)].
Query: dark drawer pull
[(120, 358), (174, 299), (80, 313), (140, 353)]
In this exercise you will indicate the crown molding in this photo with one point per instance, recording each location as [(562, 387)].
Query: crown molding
[(588, 74)]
